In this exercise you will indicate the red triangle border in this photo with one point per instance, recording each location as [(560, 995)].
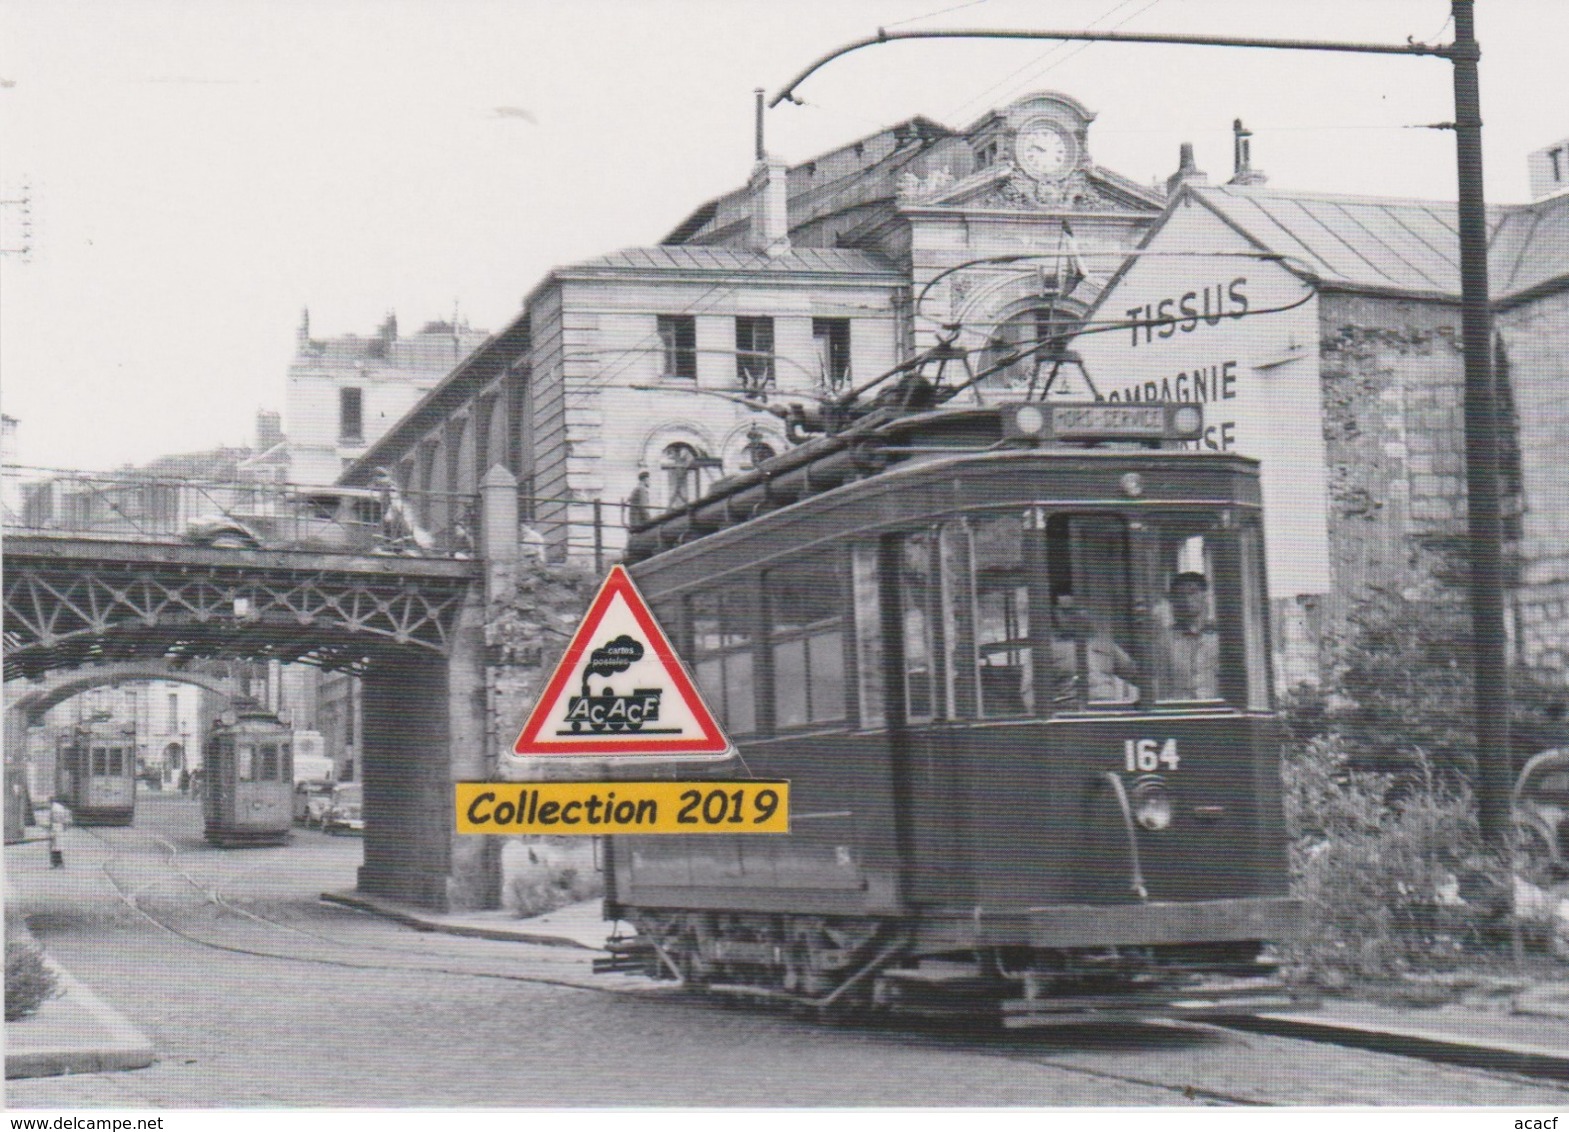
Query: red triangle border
[(712, 742)]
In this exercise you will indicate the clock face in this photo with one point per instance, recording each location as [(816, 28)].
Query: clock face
[(1044, 150)]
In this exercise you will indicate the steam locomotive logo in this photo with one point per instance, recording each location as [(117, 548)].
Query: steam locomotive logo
[(610, 710)]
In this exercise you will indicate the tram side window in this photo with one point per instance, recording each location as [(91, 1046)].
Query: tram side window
[(806, 640), (919, 613), (722, 624), (100, 761), (866, 580), (1004, 658)]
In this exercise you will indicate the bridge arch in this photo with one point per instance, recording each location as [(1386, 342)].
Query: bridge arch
[(58, 687)]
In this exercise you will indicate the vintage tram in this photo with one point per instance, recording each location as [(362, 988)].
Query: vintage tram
[(1027, 780), (95, 774), (248, 778)]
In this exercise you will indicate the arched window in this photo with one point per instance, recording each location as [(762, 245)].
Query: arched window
[(684, 468), (1037, 335)]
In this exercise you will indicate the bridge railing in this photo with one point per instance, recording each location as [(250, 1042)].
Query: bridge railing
[(143, 507), (381, 519)]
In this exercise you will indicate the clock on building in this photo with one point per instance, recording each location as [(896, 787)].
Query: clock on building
[(1045, 150)]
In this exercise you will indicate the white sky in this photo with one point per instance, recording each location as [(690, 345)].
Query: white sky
[(200, 171)]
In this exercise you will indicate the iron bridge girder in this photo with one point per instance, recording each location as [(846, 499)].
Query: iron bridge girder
[(74, 601)]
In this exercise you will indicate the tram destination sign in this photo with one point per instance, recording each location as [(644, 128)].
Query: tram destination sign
[(1102, 420)]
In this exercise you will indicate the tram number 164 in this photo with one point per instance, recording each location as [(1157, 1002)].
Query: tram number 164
[(1149, 754)]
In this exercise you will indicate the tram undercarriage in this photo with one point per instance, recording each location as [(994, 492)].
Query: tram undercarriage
[(842, 966)]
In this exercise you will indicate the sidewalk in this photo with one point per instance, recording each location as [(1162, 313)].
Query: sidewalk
[(77, 1032)]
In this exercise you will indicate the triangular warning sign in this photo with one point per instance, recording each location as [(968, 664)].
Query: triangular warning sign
[(620, 690)]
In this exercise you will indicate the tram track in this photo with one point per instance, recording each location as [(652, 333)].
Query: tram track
[(215, 892), (130, 899)]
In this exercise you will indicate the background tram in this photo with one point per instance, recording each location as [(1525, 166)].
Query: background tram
[(95, 775), (952, 631), (248, 778)]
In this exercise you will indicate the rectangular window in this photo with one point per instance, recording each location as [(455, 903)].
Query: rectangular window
[(100, 761), (807, 641), (678, 334), (351, 415), (1091, 590), (174, 712), (243, 755), (1001, 587), (1254, 636), (1187, 637), (866, 578), (722, 625), (267, 764), (832, 337), (754, 354), (917, 614)]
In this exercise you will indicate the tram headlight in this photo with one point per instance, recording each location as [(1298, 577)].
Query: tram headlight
[(1152, 806), (1188, 420), (1028, 420)]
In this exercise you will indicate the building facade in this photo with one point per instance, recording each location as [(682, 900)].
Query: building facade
[(805, 284), (1322, 334), (344, 392)]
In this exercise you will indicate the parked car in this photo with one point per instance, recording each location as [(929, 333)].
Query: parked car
[(1541, 811), (354, 519), (345, 812), (311, 799)]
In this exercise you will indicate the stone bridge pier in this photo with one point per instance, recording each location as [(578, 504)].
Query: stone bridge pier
[(428, 723)]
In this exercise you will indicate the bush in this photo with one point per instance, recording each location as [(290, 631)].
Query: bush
[(1392, 871), (29, 983), (554, 873)]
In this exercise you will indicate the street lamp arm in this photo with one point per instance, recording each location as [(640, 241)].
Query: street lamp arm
[(1410, 47)]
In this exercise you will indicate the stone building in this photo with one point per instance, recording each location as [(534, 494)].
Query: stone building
[(1323, 334), (344, 392), (807, 282)]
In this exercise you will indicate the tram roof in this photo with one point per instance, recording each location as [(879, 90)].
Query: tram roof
[(888, 438)]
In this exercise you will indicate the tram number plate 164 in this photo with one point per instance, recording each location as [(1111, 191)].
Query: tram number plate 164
[(1150, 754)]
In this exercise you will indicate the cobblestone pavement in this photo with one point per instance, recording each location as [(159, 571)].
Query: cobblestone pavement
[(257, 995)]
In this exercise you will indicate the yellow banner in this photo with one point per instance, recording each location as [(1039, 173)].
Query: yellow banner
[(752, 806)]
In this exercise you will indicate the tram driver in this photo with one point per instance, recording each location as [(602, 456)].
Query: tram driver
[(1190, 645), (1083, 648)]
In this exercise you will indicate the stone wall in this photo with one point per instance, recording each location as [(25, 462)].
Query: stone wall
[(1535, 349), (1392, 378)]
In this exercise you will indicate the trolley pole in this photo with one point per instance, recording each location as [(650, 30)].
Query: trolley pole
[(1484, 541)]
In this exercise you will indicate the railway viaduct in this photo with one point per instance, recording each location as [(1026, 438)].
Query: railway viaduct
[(412, 628)]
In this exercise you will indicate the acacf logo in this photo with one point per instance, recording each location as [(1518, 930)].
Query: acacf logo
[(610, 710)]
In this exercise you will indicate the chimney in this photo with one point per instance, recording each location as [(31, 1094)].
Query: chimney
[(769, 192), (302, 336), (1187, 173), (269, 428), (1242, 171)]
